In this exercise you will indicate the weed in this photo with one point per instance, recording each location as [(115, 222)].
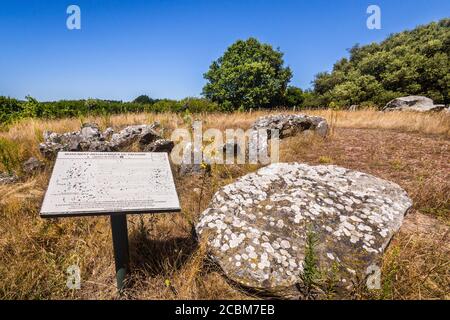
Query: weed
[(311, 273), (9, 155), (325, 160)]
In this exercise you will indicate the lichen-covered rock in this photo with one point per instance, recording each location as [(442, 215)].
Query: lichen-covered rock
[(291, 124), (144, 134), (189, 164), (90, 138), (256, 227), (32, 165), (160, 145), (90, 131), (8, 178), (107, 134), (412, 103), (231, 148)]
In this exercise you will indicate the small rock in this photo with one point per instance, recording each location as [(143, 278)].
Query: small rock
[(148, 136), (33, 165), (127, 136), (188, 164), (97, 146), (50, 149), (8, 178), (190, 169), (90, 131), (291, 124), (107, 134), (160, 145), (89, 138), (231, 148)]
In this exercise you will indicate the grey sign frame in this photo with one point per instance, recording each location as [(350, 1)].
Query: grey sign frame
[(118, 217)]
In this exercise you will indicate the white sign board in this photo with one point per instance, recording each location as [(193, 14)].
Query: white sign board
[(99, 183)]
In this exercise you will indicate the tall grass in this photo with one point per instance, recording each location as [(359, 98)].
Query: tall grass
[(9, 155)]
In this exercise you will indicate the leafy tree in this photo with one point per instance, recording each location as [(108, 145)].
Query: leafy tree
[(144, 99), (415, 62), (9, 108), (31, 108), (250, 74), (294, 97)]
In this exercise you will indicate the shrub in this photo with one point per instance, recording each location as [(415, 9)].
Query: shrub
[(250, 74), (9, 155), (144, 99), (294, 97), (415, 62), (10, 109)]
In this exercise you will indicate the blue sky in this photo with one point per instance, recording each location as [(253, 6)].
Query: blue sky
[(162, 48)]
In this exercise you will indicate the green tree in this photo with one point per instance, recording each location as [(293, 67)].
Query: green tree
[(415, 62), (144, 99), (294, 97), (10, 109), (31, 108), (250, 74)]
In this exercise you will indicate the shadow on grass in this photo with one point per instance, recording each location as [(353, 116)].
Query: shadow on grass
[(156, 257)]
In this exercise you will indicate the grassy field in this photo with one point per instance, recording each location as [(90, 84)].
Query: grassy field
[(410, 149)]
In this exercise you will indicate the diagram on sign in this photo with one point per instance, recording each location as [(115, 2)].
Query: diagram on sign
[(90, 182)]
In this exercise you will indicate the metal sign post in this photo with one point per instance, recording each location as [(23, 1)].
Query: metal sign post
[(120, 244), (111, 183)]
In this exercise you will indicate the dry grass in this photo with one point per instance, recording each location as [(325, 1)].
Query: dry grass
[(410, 149), (427, 123)]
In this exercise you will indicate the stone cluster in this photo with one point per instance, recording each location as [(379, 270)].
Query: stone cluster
[(90, 138)]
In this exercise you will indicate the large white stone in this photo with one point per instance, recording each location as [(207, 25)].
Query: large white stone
[(353, 215)]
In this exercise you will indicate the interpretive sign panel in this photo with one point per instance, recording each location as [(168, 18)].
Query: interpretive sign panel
[(108, 183)]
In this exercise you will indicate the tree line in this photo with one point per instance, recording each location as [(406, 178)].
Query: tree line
[(415, 62), (12, 109)]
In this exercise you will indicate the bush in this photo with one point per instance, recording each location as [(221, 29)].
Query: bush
[(9, 155), (144, 99), (196, 105), (250, 74), (10, 109), (166, 105), (294, 97), (415, 62)]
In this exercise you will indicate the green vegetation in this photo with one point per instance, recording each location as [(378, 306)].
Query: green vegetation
[(294, 97), (9, 155), (250, 74), (311, 272), (415, 62), (144, 99), (12, 110)]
